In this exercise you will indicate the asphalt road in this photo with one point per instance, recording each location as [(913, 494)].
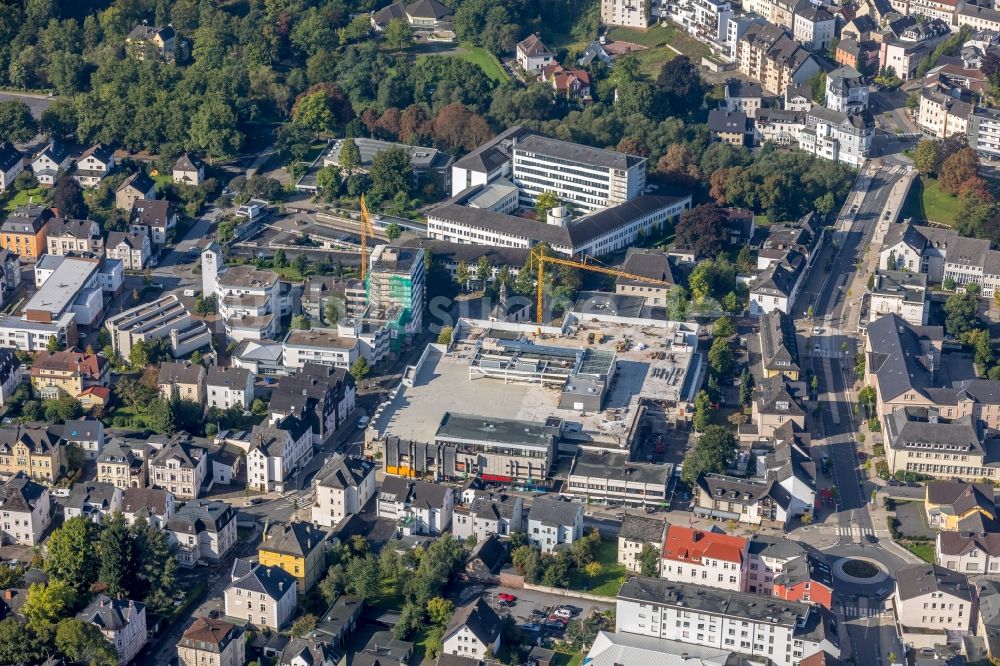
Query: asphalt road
[(830, 355)]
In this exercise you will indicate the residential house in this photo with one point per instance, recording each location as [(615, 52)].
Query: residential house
[(485, 559), (38, 452), (180, 467), (298, 548), (814, 27), (66, 236), (772, 406), (941, 114), (263, 596), (153, 505), (532, 55), (424, 16), (838, 136), (901, 293), (203, 530), (768, 557), (770, 55), (777, 286), (778, 347), (229, 387), (861, 55), (11, 374), (649, 263), (778, 126), (320, 395), (745, 96), (10, 272), (25, 230), (568, 83), (67, 373), (309, 652), (24, 510), (418, 507), (343, 488), (553, 522), (11, 164), (704, 558), (846, 91), (209, 642), (974, 550), (487, 514), (94, 500), (132, 248), (93, 165), (189, 170), (988, 616), (948, 503), (638, 532), (729, 127), (54, 160), (931, 603), (806, 579), (792, 471), (149, 40), (260, 358), (748, 501), (121, 621), (277, 450), (119, 465), (135, 187), (154, 218), (183, 381), (472, 630)]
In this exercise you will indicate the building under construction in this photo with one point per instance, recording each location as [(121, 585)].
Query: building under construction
[(394, 287)]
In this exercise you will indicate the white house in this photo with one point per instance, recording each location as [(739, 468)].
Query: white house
[(704, 558), (638, 531), (418, 506), (229, 387), (131, 247), (87, 433), (969, 552), (156, 507), (11, 164), (188, 170), (179, 467), (24, 510), (838, 136), (155, 218), (202, 530), (813, 27), (846, 91), (343, 487), (488, 514), (277, 450), (263, 596), (532, 54), (93, 165), (552, 522), (94, 500), (472, 630), (49, 164), (931, 603), (122, 621)]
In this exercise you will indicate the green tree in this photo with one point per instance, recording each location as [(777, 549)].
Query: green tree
[(960, 313), (138, 356), (702, 411), (303, 626), (53, 344), (723, 328), (984, 352), (314, 112), (279, 260), (302, 263), (444, 337), (746, 386), (160, 417), (398, 34), (393, 231), (329, 182), (712, 453), (331, 312), (361, 577), (120, 559), (649, 561), (84, 643), (17, 125), (360, 369), (333, 583), (16, 643), (925, 156), (545, 202), (72, 553), (350, 155), (462, 274), (212, 130), (483, 270), (720, 356), (440, 610), (46, 604), (391, 173)]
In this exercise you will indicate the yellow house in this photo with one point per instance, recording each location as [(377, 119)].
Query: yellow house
[(299, 549), (949, 504), (38, 452), (778, 352)]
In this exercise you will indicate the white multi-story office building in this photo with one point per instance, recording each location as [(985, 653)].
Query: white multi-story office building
[(782, 632), (587, 178)]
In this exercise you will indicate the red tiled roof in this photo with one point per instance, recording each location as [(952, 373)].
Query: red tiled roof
[(88, 365), (102, 392), (690, 545)]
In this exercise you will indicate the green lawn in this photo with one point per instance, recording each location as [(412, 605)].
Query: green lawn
[(20, 198), (567, 658), (612, 574), (926, 201), (487, 62), (923, 549), (659, 40)]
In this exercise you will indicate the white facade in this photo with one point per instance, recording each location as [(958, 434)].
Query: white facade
[(122, 622), (105, 503), (33, 336), (465, 643), (50, 163), (324, 346), (173, 473), (273, 609), (941, 116), (836, 136), (970, 556), (707, 20), (235, 389), (270, 466), (546, 533), (814, 28), (486, 515), (846, 91), (342, 492), (249, 299), (629, 13), (24, 522), (133, 251)]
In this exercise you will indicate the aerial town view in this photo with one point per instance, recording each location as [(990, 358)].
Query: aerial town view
[(482, 332)]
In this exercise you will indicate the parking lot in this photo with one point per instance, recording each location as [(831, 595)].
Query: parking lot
[(528, 601)]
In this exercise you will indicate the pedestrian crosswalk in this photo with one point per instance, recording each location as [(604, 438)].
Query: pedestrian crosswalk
[(297, 499), (863, 611), (855, 532)]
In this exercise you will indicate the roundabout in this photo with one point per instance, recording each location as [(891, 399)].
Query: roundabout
[(860, 570)]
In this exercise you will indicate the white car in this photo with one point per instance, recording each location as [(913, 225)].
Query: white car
[(817, 330), (563, 613), (363, 422), (60, 492)]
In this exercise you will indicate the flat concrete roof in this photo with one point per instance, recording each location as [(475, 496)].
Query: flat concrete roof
[(58, 291)]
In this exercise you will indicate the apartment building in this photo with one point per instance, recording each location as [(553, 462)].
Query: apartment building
[(155, 506), (182, 381), (251, 300), (320, 395), (209, 642), (155, 218), (846, 91), (136, 187), (629, 13), (263, 596), (779, 353), (11, 374), (770, 55), (838, 136), (163, 319), (783, 632), (203, 530), (25, 231), (93, 500), (636, 534), (343, 488), (704, 558), (11, 164), (417, 506), (487, 514), (931, 603), (553, 522), (599, 474), (68, 236), (25, 511), (941, 254), (40, 453), (779, 126), (941, 115), (180, 467), (132, 248), (983, 132), (325, 346), (532, 54), (67, 373), (587, 178), (473, 630), (277, 450), (814, 27), (703, 19), (121, 466), (229, 387), (121, 621), (299, 549), (900, 293)]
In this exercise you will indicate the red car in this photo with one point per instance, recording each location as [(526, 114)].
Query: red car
[(503, 596)]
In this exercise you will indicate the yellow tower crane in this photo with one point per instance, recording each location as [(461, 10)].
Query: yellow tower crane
[(366, 230), (539, 259)]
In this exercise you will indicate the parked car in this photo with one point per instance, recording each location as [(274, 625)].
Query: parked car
[(531, 626), (363, 422), (537, 614), (563, 613), (254, 501), (871, 538), (503, 596), (504, 604), (60, 492)]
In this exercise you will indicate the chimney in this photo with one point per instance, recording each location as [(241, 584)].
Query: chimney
[(696, 536)]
